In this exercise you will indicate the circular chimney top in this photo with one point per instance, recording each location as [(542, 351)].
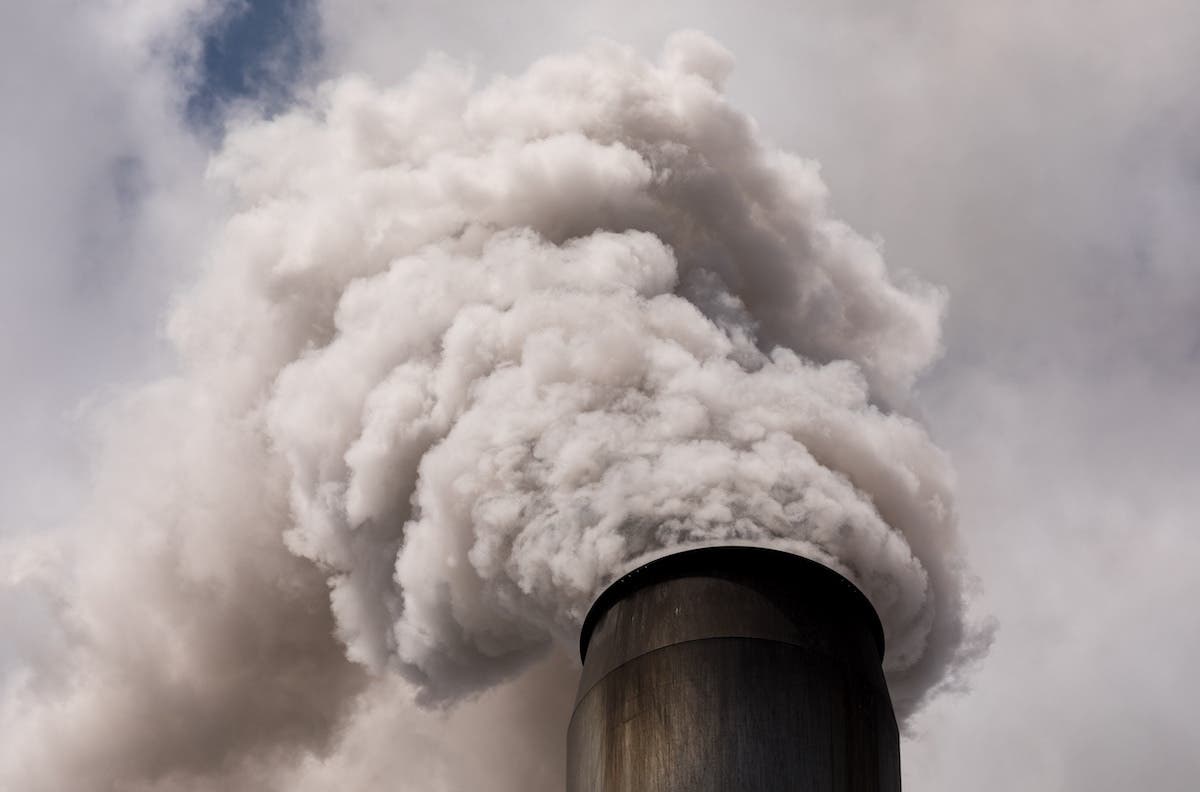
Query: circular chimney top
[(759, 567)]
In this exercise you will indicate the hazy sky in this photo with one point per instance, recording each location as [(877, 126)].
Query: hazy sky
[(1041, 162)]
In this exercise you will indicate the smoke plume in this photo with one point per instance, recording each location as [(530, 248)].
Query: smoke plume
[(459, 357)]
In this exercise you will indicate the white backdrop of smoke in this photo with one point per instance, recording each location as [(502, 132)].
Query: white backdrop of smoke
[(461, 356)]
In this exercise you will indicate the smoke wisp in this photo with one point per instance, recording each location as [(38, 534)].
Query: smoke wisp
[(460, 357)]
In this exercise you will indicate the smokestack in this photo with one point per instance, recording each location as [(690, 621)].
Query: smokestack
[(732, 668)]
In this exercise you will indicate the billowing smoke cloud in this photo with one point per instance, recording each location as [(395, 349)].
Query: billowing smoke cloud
[(460, 357)]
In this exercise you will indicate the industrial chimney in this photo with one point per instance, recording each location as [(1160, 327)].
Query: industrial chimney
[(732, 669)]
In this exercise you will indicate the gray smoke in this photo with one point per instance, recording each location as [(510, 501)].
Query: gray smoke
[(458, 358)]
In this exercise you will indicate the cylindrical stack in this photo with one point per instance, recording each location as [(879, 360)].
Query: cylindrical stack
[(732, 669)]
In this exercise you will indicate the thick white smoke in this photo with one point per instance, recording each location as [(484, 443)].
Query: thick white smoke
[(460, 357)]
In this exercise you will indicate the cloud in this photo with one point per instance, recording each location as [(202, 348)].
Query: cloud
[(627, 324), (1041, 163)]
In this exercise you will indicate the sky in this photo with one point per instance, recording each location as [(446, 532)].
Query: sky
[(1041, 163)]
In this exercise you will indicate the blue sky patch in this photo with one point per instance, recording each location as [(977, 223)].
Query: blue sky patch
[(258, 50)]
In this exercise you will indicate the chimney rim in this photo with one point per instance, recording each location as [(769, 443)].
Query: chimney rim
[(697, 559)]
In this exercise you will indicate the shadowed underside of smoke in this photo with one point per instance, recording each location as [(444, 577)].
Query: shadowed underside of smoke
[(458, 358)]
